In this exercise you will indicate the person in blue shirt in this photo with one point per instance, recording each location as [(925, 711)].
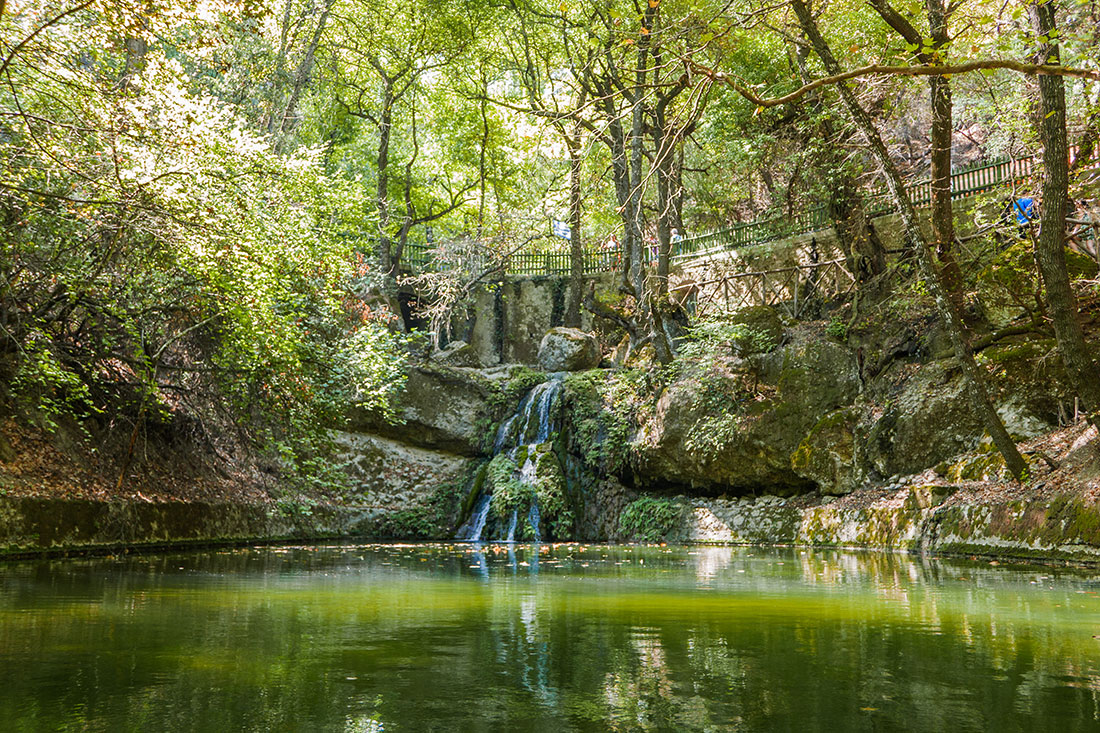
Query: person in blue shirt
[(1025, 210)]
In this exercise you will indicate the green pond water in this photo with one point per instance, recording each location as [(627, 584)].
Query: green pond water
[(454, 637)]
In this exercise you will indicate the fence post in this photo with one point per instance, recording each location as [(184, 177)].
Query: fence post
[(797, 277)]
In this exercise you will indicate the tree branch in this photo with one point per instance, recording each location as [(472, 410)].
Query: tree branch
[(53, 21), (884, 70)]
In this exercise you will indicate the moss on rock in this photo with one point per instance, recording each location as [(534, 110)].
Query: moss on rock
[(828, 454)]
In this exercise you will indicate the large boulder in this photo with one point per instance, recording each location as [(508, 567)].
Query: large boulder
[(930, 418), (442, 408), (739, 426), (830, 455), (568, 350)]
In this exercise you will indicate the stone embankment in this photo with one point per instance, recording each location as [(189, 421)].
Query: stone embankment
[(933, 518), (35, 525)]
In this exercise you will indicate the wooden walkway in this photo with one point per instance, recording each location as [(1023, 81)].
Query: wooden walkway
[(1010, 174)]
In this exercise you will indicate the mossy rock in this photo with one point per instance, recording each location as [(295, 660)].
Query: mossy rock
[(442, 407), (828, 455), (1080, 266), (457, 354), (1029, 384), (931, 419), (763, 330), (651, 519), (737, 426)]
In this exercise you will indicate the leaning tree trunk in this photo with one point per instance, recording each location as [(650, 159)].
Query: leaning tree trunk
[(973, 376), (863, 252), (943, 223), (382, 187), (1050, 246)]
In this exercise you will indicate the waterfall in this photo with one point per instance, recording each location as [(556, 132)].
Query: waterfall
[(473, 528), (510, 535), (531, 426), (534, 415)]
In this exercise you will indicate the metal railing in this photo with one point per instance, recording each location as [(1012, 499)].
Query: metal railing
[(965, 182)]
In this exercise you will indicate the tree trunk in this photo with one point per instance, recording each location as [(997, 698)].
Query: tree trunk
[(302, 74), (136, 48), (943, 222), (678, 192), (1087, 144), (382, 192), (1050, 246), (863, 253), (576, 244), (628, 214), (973, 376), (664, 155), (482, 154)]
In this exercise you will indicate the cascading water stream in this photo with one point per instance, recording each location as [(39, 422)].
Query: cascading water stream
[(478, 517), (523, 433)]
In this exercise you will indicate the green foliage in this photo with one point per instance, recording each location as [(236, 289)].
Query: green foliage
[(751, 331), (295, 508), (837, 330), (604, 409), (162, 259), (513, 493), (44, 389), (706, 335), (725, 402), (509, 493), (650, 519), (557, 516), (521, 381), (710, 435)]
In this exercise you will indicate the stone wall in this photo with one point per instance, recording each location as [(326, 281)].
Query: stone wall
[(928, 519), (511, 317), (33, 525)]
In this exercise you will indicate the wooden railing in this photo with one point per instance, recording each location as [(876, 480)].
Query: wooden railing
[(789, 288), (965, 182)]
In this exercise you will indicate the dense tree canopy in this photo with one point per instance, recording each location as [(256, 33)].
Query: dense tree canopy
[(207, 209)]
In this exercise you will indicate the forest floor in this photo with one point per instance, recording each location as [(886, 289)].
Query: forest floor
[(61, 465), (1074, 451)]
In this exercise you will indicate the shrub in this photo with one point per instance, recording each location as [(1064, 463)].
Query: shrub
[(650, 519)]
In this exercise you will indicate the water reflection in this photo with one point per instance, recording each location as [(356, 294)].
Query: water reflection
[(493, 636)]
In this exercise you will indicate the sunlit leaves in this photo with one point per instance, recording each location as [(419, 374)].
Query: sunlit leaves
[(158, 236)]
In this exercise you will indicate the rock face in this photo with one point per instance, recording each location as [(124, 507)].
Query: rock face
[(738, 429), (830, 455), (568, 350), (510, 317), (443, 408), (929, 418), (387, 475)]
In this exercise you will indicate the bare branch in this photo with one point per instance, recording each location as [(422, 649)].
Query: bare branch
[(884, 70), (53, 21)]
